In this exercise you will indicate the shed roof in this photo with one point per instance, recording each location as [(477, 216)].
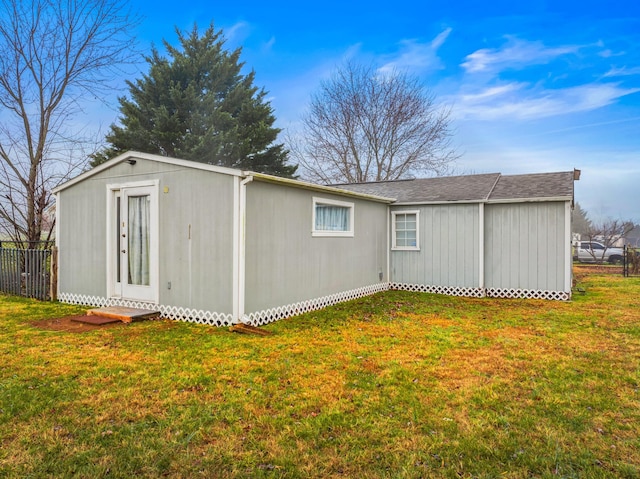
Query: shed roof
[(136, 155), (442, 189), (532, 186), (491, 187)]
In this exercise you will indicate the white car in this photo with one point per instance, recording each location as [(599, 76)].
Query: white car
[(594, 252)]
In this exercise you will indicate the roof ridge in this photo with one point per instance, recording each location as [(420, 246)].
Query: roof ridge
[(539, 173), (377, 182), (399, 180), (495, 183)]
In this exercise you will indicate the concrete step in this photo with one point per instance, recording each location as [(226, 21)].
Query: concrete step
[(126, 315)]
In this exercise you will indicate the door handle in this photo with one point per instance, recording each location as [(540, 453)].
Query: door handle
[(124, 251)]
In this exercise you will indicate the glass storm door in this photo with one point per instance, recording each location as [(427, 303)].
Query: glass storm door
[(136, 257)]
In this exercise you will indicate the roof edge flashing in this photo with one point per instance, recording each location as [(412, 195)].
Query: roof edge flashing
[(131, 156), (312, 186), (542, 199)]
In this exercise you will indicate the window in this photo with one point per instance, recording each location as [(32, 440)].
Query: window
[(332, 218), (405, 232)]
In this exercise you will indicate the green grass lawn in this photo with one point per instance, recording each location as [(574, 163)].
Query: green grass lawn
[(397, 385)]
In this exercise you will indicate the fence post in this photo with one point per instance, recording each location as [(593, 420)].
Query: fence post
[(625, 261), (53, 286)]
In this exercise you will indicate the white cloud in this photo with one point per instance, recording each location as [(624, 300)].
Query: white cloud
[(610, 53), (490, 93), (624, 71), (515, 54), (515, 101), (416, 56), (607, 187), (440, 39), (237, 31), (268, 46), (483, 96), (352, 51)]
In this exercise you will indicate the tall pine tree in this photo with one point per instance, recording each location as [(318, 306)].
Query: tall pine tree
[(581, 222), (196, 105)]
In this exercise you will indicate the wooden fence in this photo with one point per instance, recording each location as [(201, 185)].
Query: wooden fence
[(27, 271)]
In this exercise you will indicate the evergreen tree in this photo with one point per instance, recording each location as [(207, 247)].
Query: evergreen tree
[(196, 105), (581, 222)]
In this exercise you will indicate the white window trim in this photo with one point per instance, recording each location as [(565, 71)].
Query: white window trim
[(325, 201), (394, 247)]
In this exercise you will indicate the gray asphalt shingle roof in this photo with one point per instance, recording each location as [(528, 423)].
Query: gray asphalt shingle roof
[(540, 185), (472, 188)]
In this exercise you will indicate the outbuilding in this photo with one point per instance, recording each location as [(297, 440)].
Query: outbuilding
[(496, 235), (220, 246)]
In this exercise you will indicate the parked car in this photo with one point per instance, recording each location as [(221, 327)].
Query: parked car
[(594, 252)]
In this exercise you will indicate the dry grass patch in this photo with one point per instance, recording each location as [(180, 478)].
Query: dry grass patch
[(397, 385)]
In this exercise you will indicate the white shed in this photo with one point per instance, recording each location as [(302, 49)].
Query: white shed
[(481, 235), (220, 246)]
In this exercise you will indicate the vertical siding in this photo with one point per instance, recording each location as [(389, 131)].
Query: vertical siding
[(82, 240), (525, 246), (286, 264), (449, 250), (199, 267)]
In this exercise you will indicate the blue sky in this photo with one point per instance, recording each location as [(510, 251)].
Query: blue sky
[(534, 86)]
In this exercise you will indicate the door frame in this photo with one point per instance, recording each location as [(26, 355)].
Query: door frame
[(114, 289)]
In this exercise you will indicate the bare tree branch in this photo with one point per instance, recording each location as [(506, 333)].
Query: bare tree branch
[(607, 232), (53, 53), (366, 126)]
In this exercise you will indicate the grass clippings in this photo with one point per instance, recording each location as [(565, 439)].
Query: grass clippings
[(397, 385)]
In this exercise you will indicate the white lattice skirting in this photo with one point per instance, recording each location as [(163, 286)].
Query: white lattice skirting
[(480, 292), (221, 319), (281, 312), (171, 312), (273, 314), (528, 294), (447, 290)]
